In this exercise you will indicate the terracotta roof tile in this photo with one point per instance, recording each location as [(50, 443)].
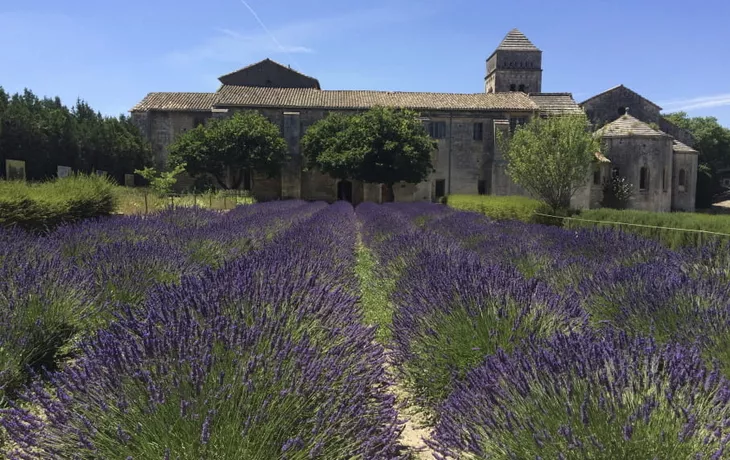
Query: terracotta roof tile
[(246, 96), (176, 102), (626, 125), (556, 103)]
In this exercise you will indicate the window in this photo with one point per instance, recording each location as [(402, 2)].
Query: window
[(522, 88), (513, 87), (621, 110), (664, 179), (478, 131), (682, 182), (615, 172), (440, 188), (197, 121), (644, 178), (437, 129), (482, 187), (514, 122), (597, 176)]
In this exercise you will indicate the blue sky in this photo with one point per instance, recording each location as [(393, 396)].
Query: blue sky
[(111, 54)]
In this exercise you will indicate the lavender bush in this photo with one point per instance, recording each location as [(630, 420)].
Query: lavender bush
[(262, 359), (586, 396)]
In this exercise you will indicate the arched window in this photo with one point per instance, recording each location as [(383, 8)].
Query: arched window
[(644, 178), (522, 88), (513, 87), (682, 182), (622, 110)]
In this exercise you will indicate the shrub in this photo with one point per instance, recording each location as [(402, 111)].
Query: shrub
[(649, 221), (587, 396), (497, 207), (617, 193), (45, 205)]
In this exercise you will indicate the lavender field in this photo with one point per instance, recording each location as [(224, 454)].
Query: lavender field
[(295, 330)]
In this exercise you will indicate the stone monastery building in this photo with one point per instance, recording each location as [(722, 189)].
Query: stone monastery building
[(637, 142)]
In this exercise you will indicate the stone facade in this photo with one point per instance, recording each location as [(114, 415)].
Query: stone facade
[(466, 126)]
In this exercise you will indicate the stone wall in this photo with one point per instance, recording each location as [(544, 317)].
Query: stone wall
[(505, 68), (605, 107), (630, 154), (683, 199)]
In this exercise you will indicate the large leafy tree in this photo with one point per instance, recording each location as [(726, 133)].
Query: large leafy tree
[(712, 140), (226, 148), (551, 157), (382, 145)]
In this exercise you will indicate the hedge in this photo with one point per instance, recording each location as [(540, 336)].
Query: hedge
[(673, 223), (45, 205), (498, 207)]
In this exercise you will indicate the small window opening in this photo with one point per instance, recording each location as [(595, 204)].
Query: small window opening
[(597, 176), (644, 178), (478, 131), (622, 110), (522, 88), (615, 173), (513, 87), (482, 187), (682, 182)]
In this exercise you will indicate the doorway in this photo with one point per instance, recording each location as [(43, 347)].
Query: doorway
[(344, 190)]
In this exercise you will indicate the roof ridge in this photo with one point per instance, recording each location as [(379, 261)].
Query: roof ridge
[(516, 40), (626, 88), (265, 60), (273, 88)]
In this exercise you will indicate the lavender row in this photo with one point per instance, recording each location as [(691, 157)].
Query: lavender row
[(507, 334), (263, 358), (58, 287)]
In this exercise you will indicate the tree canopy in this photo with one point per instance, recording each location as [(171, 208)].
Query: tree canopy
[(228, 147), (381, 145), (712, 140), (551, 157), (45, 134)]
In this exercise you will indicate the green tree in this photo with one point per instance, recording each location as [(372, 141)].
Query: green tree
[(381, 145), (227, 148), (712, 140), (551, 157), (163, 181)]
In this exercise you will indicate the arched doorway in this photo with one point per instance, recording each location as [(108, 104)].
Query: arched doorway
[(344, 190)]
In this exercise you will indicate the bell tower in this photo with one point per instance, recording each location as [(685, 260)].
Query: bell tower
[(516, 65)]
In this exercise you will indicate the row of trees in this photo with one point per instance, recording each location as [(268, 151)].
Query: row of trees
[(377, 146), (45, 134)]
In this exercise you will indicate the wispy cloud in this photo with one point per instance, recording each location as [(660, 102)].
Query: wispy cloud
[(703, 102), (232, 46)]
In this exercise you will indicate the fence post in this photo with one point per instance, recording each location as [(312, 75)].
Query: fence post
[(195, 201), (211, 199), (172, 202), (225, 203), (145, 202)]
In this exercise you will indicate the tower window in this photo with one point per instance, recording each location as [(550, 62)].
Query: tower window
[(522, 88), (644, 178), (478, 131), (513, 87)]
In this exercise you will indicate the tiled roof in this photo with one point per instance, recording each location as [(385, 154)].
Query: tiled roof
[(246, 96), (556, 103), (626, 125), (625, 88), (684, 148), (516, 40), (176, 102), (265, 61)]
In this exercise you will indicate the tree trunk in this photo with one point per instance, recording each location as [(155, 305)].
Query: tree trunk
[(388, 195), (221, 182)]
